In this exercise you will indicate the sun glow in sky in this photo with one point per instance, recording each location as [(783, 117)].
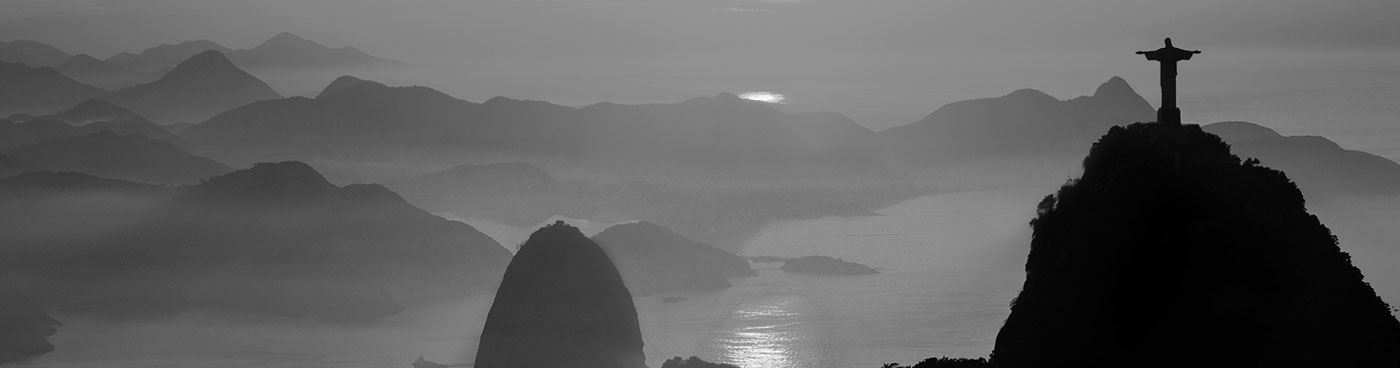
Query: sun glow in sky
[(769, 97)]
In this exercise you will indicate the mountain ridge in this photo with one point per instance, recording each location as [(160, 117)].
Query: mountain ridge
[(281, 51), (196, 89)]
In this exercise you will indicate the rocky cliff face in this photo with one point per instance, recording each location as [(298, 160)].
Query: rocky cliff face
[(562, 303), (1172, 251)]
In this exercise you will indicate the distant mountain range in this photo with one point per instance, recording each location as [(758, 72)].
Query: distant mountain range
[(1318, 165), (723, 130), (361, 113), (36, 91), (1025, 122), (282, 51), (132, 157), (199, 87)]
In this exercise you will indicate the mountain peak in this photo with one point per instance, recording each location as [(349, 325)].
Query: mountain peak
[(285, 36), (561, 290), (205, 61), (1028, 92), (342, 83), (1115, 86), (288, 42), (558, 230)]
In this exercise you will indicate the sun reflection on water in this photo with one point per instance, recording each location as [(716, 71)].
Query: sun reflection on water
[(772, 332)]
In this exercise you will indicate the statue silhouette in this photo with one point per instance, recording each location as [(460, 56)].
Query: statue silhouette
[(1168, 56)]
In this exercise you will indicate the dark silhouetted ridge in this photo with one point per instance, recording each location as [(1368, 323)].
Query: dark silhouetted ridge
[(693, 362), (561, 304), (1169, 250)]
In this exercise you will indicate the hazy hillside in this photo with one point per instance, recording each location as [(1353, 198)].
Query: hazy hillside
[(653, 259), (47, 212), (276, 238), (35, 131), (132, 157)]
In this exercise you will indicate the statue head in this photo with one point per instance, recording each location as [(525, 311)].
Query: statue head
[(1169, 42)]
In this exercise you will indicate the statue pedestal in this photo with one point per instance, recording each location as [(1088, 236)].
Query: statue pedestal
[(1169, 116)]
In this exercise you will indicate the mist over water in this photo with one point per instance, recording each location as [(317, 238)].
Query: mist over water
[(949, 265)]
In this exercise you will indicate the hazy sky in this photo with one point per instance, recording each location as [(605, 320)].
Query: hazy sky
[(882, 61), (457, 30)]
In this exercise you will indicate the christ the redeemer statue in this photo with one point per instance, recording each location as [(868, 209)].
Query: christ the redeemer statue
[(1168, 114)]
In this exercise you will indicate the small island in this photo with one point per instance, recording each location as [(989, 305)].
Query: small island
[(823, 265)]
